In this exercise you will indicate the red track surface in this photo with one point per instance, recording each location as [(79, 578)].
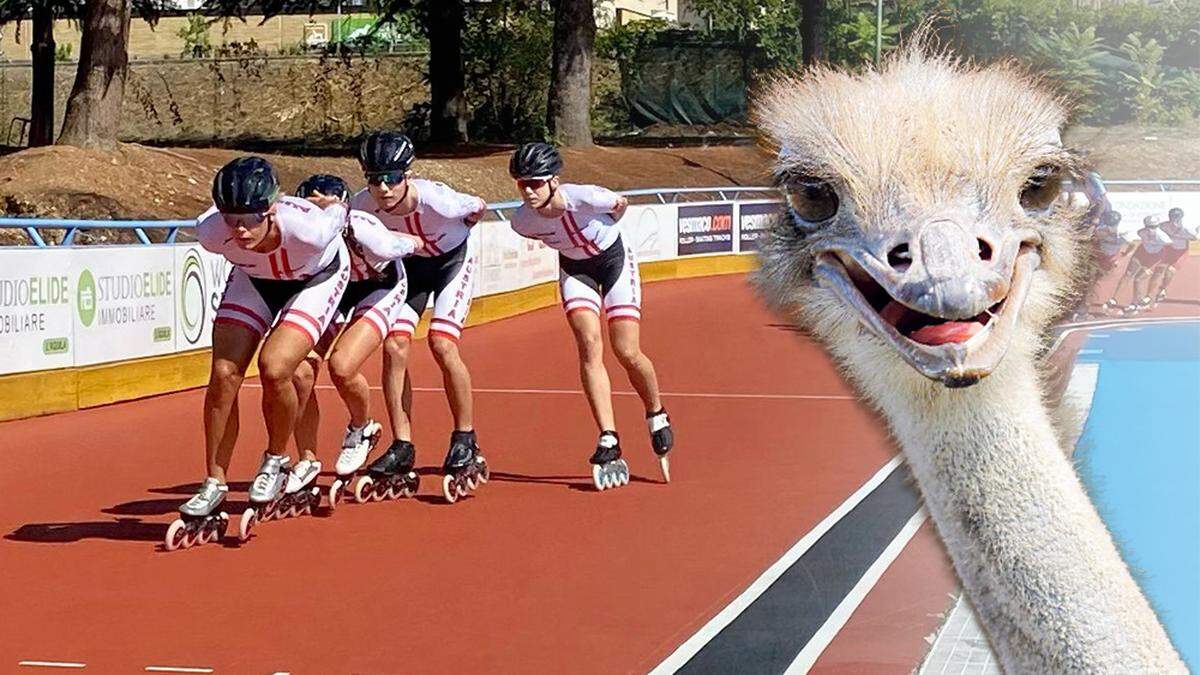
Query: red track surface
[(537, 573)]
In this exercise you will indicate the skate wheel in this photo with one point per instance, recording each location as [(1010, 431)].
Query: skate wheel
[(190, 538), (472, 482), (449, 489), (249, 520), (210, 534), (484, 473), (378, 492), (664, 465), (598, 478), (176, 534), (335, 490), (362, 490)]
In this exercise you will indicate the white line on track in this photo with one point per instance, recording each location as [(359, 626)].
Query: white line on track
[(177, 669), (837, 620), (1123, 325), (576, 392), (731, 611), (51, 664)]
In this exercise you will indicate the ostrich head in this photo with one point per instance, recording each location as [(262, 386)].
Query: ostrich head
[(923, 234)]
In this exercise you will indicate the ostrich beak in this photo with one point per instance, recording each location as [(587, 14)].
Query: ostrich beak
[(948, 308)]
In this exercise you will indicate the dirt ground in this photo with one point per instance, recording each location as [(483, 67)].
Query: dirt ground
[(141, 182)]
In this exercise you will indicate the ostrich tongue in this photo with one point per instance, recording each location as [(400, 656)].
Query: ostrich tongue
[(928, 330)]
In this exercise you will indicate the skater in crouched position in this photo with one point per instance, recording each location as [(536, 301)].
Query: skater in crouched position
[(443, 271), (597, 272), (290, 268), (377, 289)]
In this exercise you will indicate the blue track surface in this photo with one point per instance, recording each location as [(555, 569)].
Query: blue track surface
[(1140, 459)]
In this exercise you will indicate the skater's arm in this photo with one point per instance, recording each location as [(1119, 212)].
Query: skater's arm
[(379, 242)]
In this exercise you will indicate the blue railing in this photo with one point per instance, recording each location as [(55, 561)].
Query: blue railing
[(32, 226)]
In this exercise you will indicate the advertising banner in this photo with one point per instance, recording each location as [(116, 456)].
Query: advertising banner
[(124, 302), (753, 220), (35, 309), (705, 228), (650, 230)]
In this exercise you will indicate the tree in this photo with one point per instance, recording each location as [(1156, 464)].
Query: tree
[(93, 114), (569, 109), (445, 20), (812, 31), (765, 29), (42, 54)]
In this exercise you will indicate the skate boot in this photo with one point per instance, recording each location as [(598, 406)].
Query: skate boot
[(608, 469), (465, 469), (390, 476), (200, 522), (265, 493), (356, 447), (301, 494), (662, 439)]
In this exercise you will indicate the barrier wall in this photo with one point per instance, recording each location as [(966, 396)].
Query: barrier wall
[(84, 306), (83, 326)]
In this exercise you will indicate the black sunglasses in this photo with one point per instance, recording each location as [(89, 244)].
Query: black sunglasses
[(389, 177)]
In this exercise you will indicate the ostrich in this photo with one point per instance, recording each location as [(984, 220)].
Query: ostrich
[(924, 245)]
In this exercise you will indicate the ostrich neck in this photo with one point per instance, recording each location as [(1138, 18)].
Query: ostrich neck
[(1033, 555)]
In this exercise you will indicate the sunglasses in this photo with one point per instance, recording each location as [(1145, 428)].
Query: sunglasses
[(245, 220), (532, 183), (385, 177)]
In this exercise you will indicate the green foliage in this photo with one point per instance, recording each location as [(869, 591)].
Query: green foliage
[(1181, 97), (1069, 58), (62, 52), (401, 31), (770, 28), (195, 37), (617, 47), (1144, 88), (851, 35), (506, 45), (1174, 25)]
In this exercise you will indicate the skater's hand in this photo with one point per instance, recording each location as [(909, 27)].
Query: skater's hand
[(322, 200), (619, 209), (417, 242)]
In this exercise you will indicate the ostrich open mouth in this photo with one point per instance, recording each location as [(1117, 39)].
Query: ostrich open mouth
[(955, 352)]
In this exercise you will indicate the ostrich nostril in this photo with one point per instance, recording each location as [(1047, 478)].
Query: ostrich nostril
[(985, 250), (899, 258)]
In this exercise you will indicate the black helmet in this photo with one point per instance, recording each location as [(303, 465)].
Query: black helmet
[(245, 185), (385, 151), (1112, 218), (325, 183), (535, 160), (1175, 213)]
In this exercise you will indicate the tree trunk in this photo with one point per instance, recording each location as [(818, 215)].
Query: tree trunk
[(448, 118), (41, 109), (93, 115), (569, 110), (812, 31)]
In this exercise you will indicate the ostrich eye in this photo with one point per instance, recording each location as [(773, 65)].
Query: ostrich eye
[(1041, 188), (812, 199)]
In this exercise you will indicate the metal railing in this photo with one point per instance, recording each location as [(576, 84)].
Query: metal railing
[(33, 227)]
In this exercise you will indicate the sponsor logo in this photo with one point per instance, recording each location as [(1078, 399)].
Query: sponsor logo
[(706, 229), (193, 301), (85, 297)]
